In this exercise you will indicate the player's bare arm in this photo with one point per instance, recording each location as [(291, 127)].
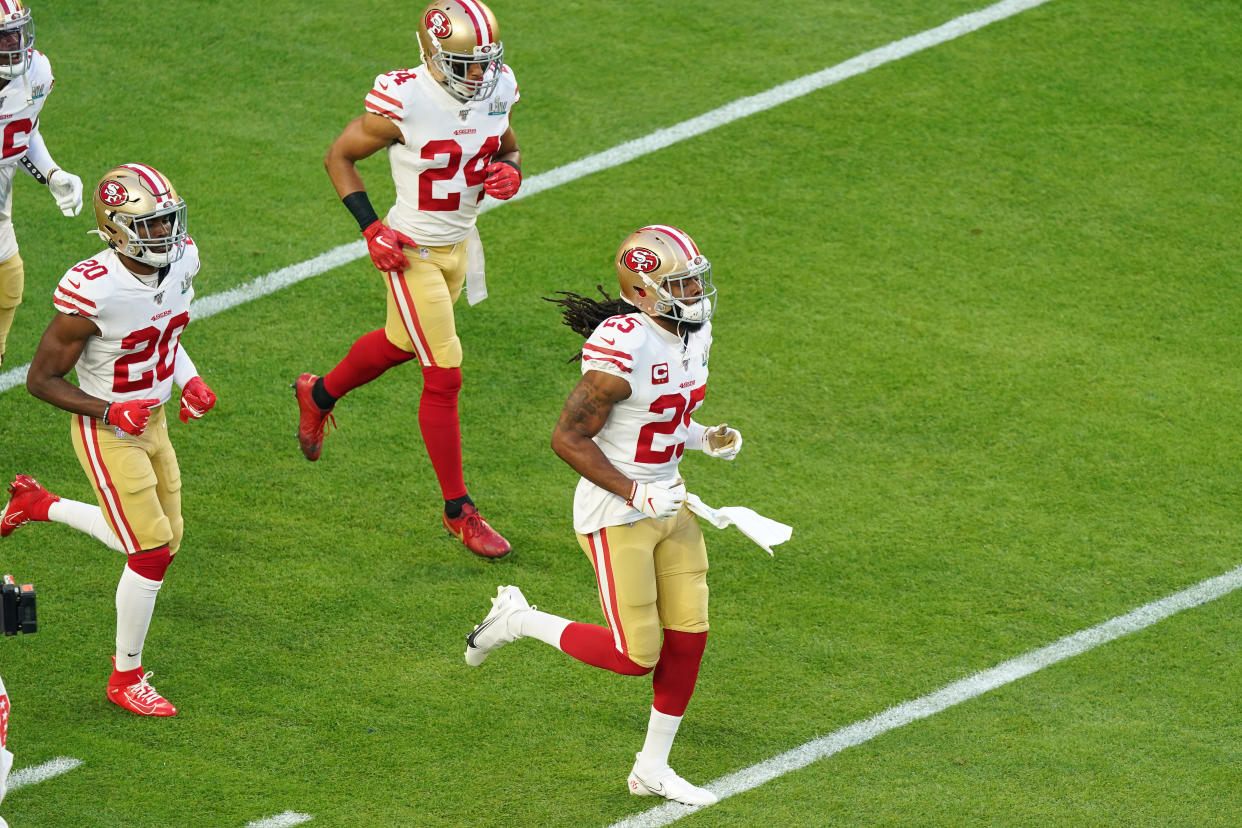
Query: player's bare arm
[(583, 416), (509, 151), (58, 352), (363, 137)]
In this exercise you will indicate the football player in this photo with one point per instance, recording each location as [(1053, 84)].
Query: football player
[(25, 81), (6, 758), (119, 320), (445, 127), (624, 429)]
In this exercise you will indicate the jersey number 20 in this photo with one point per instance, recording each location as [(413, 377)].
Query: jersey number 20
[(144, 344)]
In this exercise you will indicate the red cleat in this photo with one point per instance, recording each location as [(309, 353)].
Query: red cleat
[(140, 697), (313, 418), (471, 529), (26, 496)]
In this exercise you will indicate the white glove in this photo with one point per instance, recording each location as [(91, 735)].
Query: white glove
[(658, 500), (67, 190), (722, 442)]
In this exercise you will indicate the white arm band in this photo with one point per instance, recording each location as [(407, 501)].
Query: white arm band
[(698, 436), (183, 367), (36, 160)]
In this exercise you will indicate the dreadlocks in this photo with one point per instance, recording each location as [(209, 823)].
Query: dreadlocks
[(583, 314)]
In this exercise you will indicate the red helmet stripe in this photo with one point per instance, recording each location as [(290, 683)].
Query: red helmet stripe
[(687, 244), (479, 19), (155, 182), (6, 8)]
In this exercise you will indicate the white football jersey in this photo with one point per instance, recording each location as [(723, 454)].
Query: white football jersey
[(140, 326), (19, 120), (645, 435), (6, 758), (438, 171)]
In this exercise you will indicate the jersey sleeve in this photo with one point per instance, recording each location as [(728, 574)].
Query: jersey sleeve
[(383, 98), (76, 295), (517, 95), (612, 346)]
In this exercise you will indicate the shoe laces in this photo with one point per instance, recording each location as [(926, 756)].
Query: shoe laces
[(144, 692), (475, 524)]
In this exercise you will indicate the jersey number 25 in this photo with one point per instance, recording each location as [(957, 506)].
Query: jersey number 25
[(682, 406)]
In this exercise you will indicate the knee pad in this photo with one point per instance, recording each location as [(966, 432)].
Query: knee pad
[(178, 527), (151, 564), (642, 644), (12, 279)]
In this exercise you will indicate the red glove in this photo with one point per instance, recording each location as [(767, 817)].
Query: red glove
[(384, 245), (503, 180), (130, 416), (196, 399)]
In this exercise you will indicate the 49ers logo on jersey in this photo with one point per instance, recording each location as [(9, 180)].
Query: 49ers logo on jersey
[(113, 193), (641, 260), (438, 24)]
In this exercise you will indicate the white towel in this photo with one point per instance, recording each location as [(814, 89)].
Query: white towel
[(476, 280), (763, 531)]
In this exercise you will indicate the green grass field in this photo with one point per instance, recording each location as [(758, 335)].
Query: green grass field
[(979, 324)]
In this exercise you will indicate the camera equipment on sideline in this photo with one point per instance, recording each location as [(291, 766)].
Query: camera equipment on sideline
[(18, 607)]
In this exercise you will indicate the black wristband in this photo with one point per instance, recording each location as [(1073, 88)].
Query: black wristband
[(358, 204), (513, 164), (107, 408)]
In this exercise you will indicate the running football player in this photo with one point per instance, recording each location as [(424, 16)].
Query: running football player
[(624, 429), (120, 317), (445, 126), (25, 81)]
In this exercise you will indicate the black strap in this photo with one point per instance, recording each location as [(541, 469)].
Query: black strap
[(358, 204)]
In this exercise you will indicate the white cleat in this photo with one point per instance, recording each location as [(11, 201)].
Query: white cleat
[(666, 783), (496, 630)]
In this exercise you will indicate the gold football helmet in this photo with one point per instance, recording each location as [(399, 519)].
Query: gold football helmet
[(662, 273), (140, 215), (460, 43), (16, 39)]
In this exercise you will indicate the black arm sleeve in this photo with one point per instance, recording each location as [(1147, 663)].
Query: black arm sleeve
[(358, 204)]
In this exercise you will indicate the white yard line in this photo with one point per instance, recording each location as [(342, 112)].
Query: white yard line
[(39, 773), (948, 696), (284, 820), (279, 279)]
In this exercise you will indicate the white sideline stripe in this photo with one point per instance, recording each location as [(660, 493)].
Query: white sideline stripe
[(284, 820), (41, 773), (948, 696), (337, 256)]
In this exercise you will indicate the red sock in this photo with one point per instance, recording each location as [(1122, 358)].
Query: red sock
[(151, 564), (592, 644), (677, 671), (437, 419), (369, 357)]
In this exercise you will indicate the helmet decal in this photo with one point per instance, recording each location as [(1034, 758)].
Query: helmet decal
[(438, 24), (476, 15), (113, 193), (641, 260)]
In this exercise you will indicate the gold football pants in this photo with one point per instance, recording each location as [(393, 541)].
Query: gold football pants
[(12, 278), (136, 480), (420, 304), (652, 576)]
